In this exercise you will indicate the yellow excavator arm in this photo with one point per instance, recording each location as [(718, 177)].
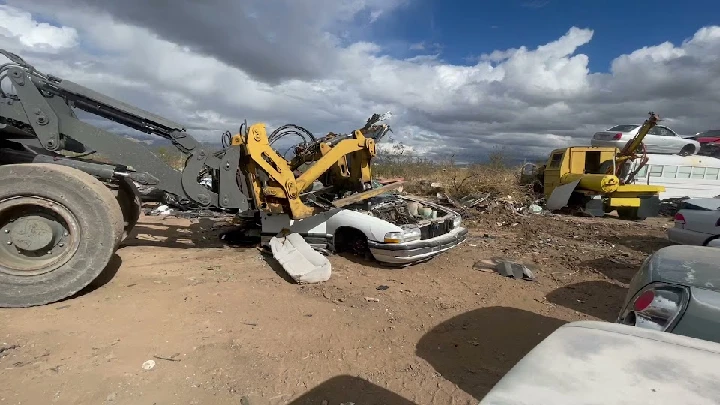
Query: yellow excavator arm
[(272, 180), (629, 151)]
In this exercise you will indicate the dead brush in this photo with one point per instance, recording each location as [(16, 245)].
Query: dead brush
[(458, 182)]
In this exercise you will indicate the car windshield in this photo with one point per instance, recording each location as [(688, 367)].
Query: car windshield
[(623, 128)]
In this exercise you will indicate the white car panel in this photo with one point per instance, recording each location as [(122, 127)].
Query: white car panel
[(696, 226), (687, 236), (326, 223)]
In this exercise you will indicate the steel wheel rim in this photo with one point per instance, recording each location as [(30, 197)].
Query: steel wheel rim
[(37, 235)]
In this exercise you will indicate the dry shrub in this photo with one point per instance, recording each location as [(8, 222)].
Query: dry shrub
[(459, 182), (493, 177)]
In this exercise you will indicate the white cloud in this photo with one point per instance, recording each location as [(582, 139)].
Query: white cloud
[(527, 100), (19, 25)]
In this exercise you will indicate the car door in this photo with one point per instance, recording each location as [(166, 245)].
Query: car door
[(674, 141), (653, 140), (668, 141)]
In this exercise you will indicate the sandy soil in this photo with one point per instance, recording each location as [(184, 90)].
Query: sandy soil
[(223, 325)]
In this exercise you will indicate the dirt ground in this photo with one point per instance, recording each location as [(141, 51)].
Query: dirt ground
[(223, 325)]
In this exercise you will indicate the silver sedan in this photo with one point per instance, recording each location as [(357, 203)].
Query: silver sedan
[(660, 139)]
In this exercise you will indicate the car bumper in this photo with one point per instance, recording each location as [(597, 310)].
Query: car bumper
[(416, 251), (687, 236)]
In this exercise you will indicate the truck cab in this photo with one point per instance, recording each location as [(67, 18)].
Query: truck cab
[(582, 177)]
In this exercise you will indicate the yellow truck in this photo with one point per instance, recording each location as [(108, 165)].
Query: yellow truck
[(600, 180)]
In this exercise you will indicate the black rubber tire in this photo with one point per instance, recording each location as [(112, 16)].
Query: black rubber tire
[(353, 241), (687, 150), (100, 223), (128, 196)]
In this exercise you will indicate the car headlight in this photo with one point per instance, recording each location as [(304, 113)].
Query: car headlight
[(406, 235), (456, 221)]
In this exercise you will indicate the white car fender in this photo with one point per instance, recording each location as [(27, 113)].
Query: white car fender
[(374, 228)]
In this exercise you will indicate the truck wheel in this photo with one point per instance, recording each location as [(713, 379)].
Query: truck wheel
[(59, 228), (128, 196)]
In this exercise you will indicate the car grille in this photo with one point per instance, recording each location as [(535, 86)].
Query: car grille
[(436, 229)]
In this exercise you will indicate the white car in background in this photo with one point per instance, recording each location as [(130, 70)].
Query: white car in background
[(697, 223), (660, 139)]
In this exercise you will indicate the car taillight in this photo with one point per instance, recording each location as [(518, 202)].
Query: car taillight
[(679, 219), (617, 136), (658, 306)]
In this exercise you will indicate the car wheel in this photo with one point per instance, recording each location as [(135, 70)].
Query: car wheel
[(353, 241), (687, 150), (713, 241)]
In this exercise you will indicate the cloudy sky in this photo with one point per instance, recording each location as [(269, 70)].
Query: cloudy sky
[(459, 76)]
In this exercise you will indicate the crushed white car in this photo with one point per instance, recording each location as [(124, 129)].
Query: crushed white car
[(391, 228)]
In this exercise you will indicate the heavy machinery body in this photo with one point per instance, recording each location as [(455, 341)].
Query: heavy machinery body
[(63, 217), (578, 177), (599, 180)]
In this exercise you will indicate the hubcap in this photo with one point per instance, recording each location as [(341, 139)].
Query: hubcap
[(37, 235)]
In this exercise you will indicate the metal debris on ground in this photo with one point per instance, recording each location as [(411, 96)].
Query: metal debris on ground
[(4, 350), (534, 209), (471, 205), (148, 365), (505, 268), (163, 209), (170, 210), (472, 201), (171, 358)]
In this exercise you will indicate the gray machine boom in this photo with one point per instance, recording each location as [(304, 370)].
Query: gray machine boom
[(40, 117)]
